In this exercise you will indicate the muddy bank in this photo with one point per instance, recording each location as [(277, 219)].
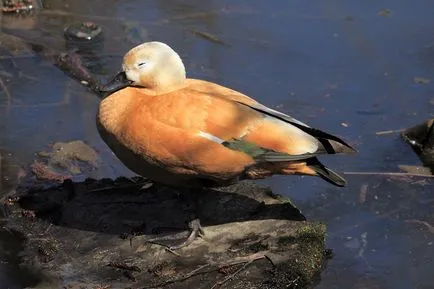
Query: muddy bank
[(103, 233)]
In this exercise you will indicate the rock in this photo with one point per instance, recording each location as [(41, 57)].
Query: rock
[(64, 160), (421, 139), (99, 233)]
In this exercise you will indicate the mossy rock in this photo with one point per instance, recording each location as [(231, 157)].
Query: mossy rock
[(97, 233)]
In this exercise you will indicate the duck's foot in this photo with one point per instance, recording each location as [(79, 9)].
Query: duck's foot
[(196, 231), (190, 198)]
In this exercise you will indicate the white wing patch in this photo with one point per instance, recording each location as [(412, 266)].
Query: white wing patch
[(211, 137), (309, 144)]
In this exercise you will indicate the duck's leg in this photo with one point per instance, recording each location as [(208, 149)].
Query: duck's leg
[(190, 196), (196, 231)]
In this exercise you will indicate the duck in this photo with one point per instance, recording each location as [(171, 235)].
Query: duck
[(192, 133)]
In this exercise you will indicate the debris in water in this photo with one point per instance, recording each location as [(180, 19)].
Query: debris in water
[(363, 193), (421, 80), (209, 37), (384, 12), (384, 132), (17, 6)]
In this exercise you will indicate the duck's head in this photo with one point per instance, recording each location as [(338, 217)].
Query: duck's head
[(153, 65)]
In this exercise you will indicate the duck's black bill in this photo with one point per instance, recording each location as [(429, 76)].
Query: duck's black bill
[(119, 81)]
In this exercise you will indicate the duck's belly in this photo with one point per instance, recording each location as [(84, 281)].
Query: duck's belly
[(173, 176)]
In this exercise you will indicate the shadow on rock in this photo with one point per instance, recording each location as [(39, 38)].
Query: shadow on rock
[(120, 207)]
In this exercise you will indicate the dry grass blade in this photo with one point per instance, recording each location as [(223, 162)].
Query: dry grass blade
[(395, 174), (385, 132)]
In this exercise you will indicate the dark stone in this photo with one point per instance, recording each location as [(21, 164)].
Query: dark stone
[(421, 139)]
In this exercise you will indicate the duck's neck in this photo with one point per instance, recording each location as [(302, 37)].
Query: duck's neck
[(164, 86)]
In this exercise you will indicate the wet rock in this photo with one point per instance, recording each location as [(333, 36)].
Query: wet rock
[(83, 32), (64, 160), (421, 139), (102, 233), (87, 40)]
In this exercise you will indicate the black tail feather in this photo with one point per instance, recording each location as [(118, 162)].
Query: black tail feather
[(325, 173)]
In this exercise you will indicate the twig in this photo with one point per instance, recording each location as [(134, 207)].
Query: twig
[(183, 278), (389, 174), (166, 247), (220, 283), (384, 132), (195, 271), (246, 260)]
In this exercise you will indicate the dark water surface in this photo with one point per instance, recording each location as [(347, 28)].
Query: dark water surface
[(344, 66)]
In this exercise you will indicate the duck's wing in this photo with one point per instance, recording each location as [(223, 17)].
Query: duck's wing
[(330, 144)]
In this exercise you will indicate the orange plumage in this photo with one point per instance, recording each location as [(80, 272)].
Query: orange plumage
[(192, 132)]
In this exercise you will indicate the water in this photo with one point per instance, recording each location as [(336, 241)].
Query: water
[(344, 66)]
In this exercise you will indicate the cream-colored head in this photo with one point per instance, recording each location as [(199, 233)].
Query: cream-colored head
[(154, 65)]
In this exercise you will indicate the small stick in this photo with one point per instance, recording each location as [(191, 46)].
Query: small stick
[(220, 283), (195, 271), (239, 260), (166, 247), (396, 174), (384, 132)]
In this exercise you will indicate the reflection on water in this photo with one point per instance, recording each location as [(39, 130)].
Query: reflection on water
[(339, 65)]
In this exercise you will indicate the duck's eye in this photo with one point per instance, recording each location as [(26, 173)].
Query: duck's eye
[(141, 64)]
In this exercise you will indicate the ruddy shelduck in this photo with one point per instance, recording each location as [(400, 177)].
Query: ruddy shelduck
[(194, 133)]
